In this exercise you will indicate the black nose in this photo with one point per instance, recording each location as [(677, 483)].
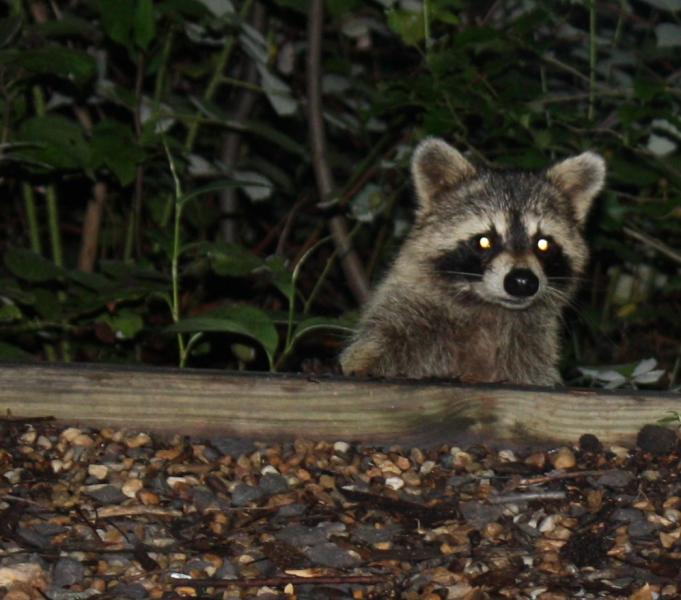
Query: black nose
[(521, 283)]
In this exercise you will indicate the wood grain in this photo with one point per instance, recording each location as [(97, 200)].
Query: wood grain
[(271, 406)]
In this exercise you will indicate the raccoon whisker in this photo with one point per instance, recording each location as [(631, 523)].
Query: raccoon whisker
[(570, 278), (464, 273), (558, 297)]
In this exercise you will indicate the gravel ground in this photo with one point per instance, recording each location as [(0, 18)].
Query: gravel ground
[(120, 514)]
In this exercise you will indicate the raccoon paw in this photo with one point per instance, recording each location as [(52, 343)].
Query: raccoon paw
[(360, 358)]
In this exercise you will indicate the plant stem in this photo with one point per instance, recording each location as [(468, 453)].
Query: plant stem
[(426, 25), (216, 79), (352, 266), (592, 59), (32, 218), (161, 73), (175, 260), (50, 193)]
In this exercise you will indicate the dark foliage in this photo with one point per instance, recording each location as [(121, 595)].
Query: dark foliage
[(160, 197)]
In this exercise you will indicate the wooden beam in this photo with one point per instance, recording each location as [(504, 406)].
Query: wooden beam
[(271, 406)]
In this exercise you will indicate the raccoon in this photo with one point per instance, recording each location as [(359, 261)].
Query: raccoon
[(477, 289)]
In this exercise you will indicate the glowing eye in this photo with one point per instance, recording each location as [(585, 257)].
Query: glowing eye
[(485, 242), (543, 244)]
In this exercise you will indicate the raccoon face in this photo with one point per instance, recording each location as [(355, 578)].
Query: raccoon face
[(509, 238)]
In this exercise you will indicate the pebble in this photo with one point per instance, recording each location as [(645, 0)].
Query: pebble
[(657, 440), (341, 447), (563, 459), (427, 467), (137, 441), (244, 494), (105, 493), (66, 572), (395, 483), (590, 443), (131, 487), (83, 440), (98, 471), (615, 478)]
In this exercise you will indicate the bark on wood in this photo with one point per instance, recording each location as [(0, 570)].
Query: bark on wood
[(267, 406)]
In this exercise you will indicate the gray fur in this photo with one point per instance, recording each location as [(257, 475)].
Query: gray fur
[(424, 323)]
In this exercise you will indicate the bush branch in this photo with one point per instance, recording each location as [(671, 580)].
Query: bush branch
[(352, 268)]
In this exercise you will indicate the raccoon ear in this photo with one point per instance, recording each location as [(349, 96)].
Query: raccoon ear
[(580, 178), (435, 167)]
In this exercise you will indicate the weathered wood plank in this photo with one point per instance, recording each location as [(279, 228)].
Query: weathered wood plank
[(266, 406)]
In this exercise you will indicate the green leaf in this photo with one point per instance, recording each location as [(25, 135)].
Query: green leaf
[(117, 19), (231, 260), (125, 324), (11, 352), (239, 319), (408, 25), (278, 92), (77, 66), (216, 186), (144, 25), (300, 6), (671, 5), (9, 28), (668, 35), (10, 289), (47, 304), (338, 8), (322, 324), (368, 203), (9, 313), (27, 265), (282, 277), (92, 281), (67, 26), (113, 146), (55, 142)]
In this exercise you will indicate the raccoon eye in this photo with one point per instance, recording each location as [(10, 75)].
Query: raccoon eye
[(484, 242), (543, 245)]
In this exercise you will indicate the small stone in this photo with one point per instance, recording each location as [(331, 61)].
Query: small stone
[(478, 515), (44, 443), (244, 494), (620, 452), (329, 554), (656, 440), (105, 494), (83, 440), (137, 441), (98, 471), (341, 447), (273, 483), (411, 479), (394, 483), (148, 498), (590, 443), (548, 524), (615, 479), (427, 467), (29, 437), (492, 530), (651, 475), (66, 572), (70, 434), (507, 456), (537, 460), (403, 463), (563, 459), (131, 487)]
